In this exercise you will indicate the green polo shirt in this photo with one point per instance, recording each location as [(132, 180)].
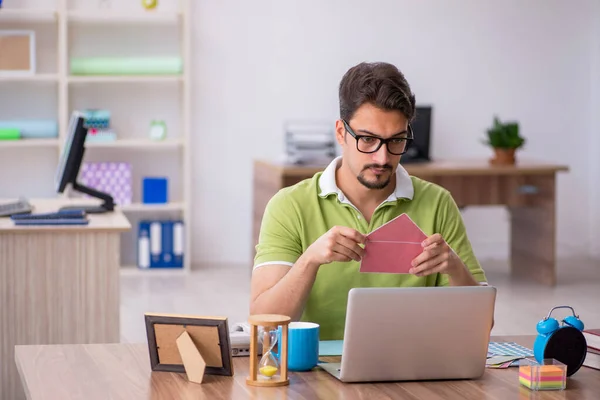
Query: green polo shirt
[(298, 215)]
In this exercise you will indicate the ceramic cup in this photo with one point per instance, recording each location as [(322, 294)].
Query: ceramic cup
[(303, 345)]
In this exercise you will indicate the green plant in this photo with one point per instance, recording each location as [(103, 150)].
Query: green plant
[(504, 135)]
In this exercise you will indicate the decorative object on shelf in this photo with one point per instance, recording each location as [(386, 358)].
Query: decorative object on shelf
[(505, 139), (270, 370), (100, 135), (96, 119), (32, 128), (17, 53), (194, 345), (149, 4), (113, 178), (10, 134), (126, 65), (155, 190), (565, 343), (160, 244), (158, 130), (308, 142), (98, 124)]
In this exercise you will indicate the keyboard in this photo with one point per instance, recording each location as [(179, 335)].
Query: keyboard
[(68, 217), (20, 206)]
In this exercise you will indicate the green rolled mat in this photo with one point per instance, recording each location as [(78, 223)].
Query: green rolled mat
[(126, 66), (10, 134)]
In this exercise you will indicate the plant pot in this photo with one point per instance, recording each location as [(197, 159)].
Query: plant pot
[(503, 157)]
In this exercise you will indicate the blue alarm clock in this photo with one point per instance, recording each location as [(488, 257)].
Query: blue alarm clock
[(563, 342)]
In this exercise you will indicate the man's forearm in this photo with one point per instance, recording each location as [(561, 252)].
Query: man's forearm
[(462, 277), (288, 296)]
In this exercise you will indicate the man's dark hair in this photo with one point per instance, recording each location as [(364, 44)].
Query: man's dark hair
[(380, 84)]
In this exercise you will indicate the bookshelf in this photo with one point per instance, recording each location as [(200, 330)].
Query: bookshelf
[(74, 28)]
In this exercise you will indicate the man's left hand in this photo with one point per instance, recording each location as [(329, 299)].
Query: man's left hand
[(437, 257)]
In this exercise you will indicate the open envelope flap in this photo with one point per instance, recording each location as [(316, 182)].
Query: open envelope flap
[(400, 229)]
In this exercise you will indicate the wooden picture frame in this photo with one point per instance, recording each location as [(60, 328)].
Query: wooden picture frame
[(210, 335), (17, 53)]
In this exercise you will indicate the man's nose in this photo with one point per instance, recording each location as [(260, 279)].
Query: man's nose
[(382, 155)]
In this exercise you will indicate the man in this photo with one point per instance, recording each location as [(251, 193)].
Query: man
[(312, 233)]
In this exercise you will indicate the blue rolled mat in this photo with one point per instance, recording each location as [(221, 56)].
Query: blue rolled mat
[(126, 65), (33, 128)]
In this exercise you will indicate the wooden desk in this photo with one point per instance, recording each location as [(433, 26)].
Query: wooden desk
[(122, 371), (58, 284), (527, 189)]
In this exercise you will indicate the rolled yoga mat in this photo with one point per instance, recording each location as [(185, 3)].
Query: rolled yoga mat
[(126, 66), (9, 134), (33, 128)]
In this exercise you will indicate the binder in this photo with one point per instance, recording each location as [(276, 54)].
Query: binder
[(160, 244)]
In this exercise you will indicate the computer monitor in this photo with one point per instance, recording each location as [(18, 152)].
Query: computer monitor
[(418, 150), (70, 162)]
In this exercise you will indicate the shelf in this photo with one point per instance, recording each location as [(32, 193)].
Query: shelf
[(148, 144), (29, 143), (76, 28), (113, 18), (25, 14), (133, 270), (125, 79), (30, 78), (140, 207)]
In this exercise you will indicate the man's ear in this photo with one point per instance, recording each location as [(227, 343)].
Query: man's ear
[(340, 132)]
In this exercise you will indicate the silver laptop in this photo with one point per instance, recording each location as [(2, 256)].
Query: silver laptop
[(423, 333)]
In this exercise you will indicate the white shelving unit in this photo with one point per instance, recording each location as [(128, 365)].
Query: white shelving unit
[(69, 16)]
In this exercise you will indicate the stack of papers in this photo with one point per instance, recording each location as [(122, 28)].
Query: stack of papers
[(504, 355), (392, 247)]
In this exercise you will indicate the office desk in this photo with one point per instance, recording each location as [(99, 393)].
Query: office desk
[(528, 190), (122, 371), (58, 284)]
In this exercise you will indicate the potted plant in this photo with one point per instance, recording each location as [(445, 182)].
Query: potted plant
[(504, 138)]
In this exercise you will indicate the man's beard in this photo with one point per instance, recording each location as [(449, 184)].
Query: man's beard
[(377, 184)]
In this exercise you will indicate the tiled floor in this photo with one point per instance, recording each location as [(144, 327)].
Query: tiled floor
[(224, 290)]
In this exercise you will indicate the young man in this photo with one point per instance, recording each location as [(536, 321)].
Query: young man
[(310, 246)]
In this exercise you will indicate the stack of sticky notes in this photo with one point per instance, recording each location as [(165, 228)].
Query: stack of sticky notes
[(550, 375)]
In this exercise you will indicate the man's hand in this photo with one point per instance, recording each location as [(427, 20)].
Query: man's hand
[(437, 257), (338, 244)]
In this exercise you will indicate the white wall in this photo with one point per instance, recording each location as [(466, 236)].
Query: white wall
[(259, 63), (594, 148)]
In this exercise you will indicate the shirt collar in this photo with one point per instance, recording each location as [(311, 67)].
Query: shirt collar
[(328, 185)]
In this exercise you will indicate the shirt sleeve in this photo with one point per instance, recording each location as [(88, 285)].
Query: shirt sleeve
[(450, 224), (279, 239)]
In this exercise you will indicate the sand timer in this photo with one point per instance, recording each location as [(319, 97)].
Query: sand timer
[(272, 332)]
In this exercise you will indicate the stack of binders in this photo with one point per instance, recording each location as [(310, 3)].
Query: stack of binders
[(160, 244)]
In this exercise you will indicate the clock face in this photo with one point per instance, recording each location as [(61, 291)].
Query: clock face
[(567, 345), (158, 130)]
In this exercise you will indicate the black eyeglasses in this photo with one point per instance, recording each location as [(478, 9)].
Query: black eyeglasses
[(370, 144)]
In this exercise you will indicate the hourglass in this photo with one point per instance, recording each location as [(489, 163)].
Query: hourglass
[(272, 331)]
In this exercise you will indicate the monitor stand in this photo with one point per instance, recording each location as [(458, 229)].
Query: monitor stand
[(107, 206)]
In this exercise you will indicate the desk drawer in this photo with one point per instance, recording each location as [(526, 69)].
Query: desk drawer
[(508, 190)]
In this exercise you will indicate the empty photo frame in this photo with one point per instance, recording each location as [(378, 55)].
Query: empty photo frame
[(17, 53), (210, 336)]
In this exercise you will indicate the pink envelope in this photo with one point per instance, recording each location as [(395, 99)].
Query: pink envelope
[(392, 247)]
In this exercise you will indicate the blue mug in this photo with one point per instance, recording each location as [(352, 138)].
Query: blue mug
[(303, 345)]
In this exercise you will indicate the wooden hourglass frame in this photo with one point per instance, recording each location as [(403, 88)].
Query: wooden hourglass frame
[(268, 322)]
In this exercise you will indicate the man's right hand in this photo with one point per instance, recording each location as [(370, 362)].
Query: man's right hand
[(340, 243)]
